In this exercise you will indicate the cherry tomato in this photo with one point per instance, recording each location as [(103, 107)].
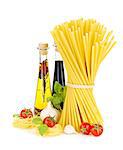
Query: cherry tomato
[(85, 128), (49, 121), (96, 130), (26, 113)]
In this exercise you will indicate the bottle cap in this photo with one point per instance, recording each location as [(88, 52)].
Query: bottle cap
[(43, 46)]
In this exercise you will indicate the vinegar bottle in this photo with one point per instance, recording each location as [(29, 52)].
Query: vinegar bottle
[(43, 86), (59, 69)]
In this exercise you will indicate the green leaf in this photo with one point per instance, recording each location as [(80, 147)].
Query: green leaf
[(42, 129), (57, 107), (58, 88), (50, 98), (37, 121), (58, 97), (16, 115)]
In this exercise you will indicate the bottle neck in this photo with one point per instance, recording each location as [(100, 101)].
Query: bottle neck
[(58, 56), (42, 58)]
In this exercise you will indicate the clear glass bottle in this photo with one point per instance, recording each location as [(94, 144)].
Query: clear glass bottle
[(59, 75), (43, 86)]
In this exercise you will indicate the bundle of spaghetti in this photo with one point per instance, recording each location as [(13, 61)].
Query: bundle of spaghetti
[(83, 45)]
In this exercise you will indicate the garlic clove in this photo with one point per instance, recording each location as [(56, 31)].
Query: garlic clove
[(69, 129), (50, 111)]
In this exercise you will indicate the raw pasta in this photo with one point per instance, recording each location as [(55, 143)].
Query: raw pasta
[(83, 45)]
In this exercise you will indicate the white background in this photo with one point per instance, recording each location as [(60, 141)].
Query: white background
[(25, 23)]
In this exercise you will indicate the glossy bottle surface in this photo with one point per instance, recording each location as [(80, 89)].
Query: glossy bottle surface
[(43, 86)]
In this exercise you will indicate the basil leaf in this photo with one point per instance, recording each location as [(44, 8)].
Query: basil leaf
[(37, 121), (16, 115), (50, 98), (58, 97), (42, 129), (57, 87)]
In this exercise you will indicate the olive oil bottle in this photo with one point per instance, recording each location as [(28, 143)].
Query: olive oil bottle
[(43, 86)]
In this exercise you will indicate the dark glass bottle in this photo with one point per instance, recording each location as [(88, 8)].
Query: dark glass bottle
[(59, 75)]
